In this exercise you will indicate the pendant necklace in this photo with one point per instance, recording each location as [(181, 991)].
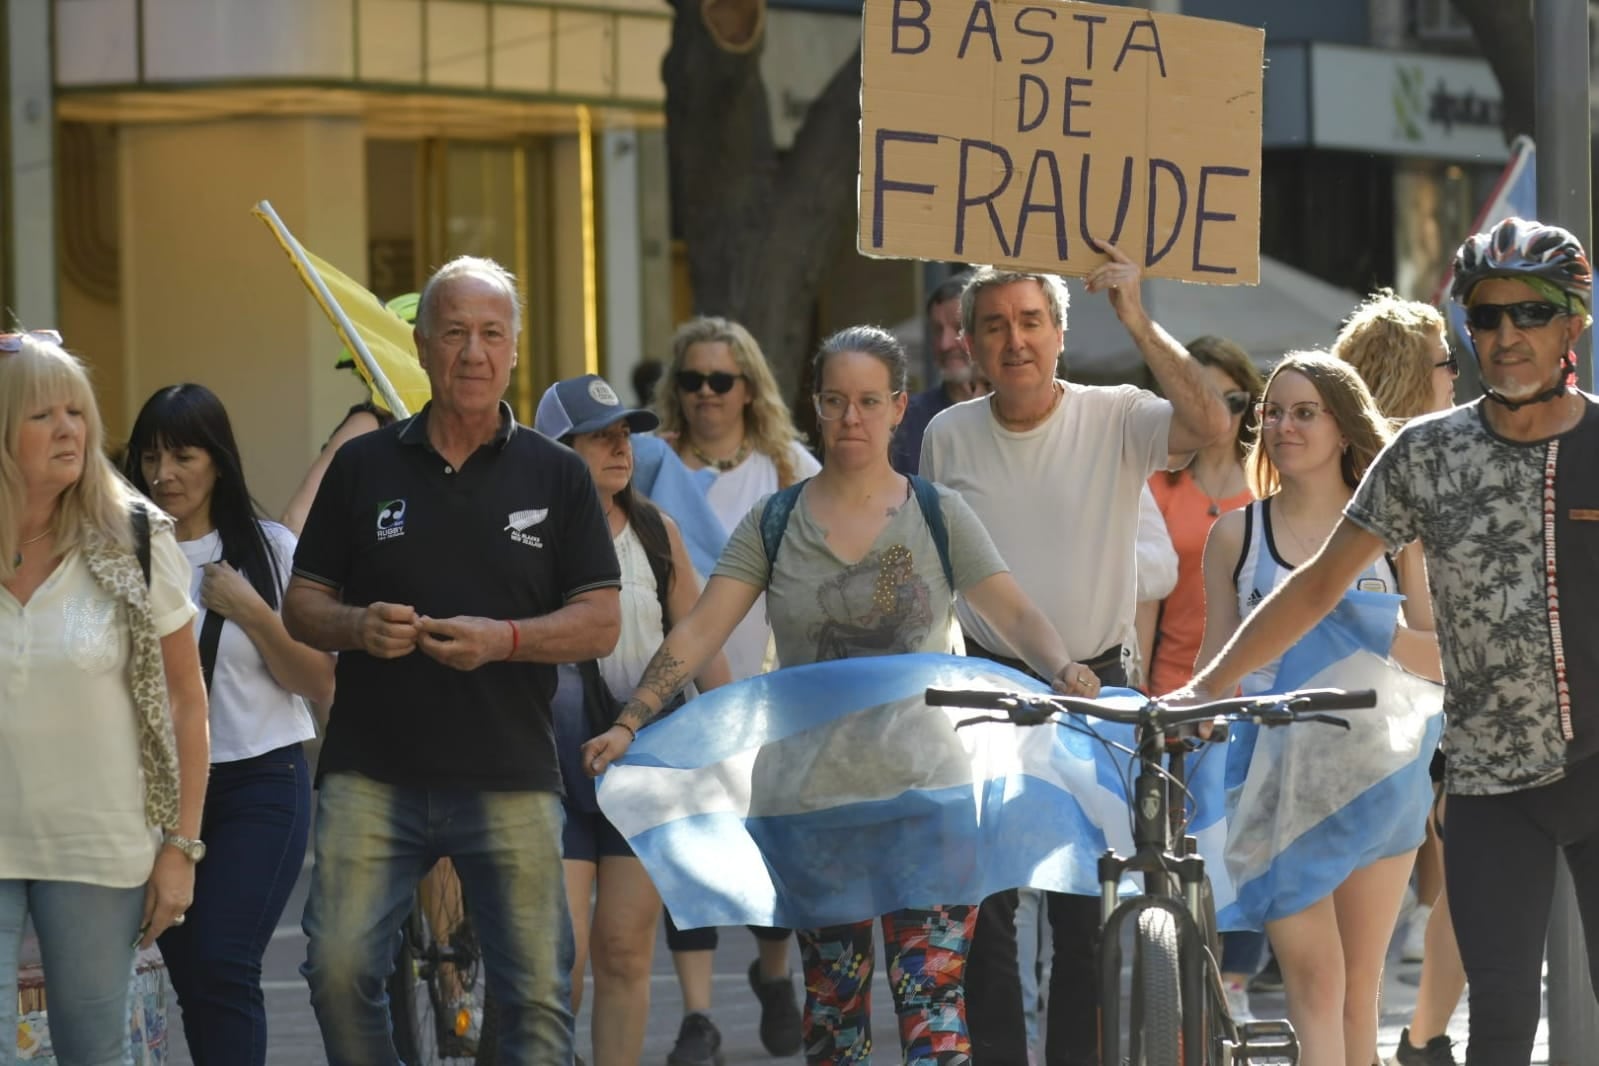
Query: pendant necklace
[(1215, 506), (17, 561)]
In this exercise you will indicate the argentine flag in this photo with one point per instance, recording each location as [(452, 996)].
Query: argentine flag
[(1309, 804), (831, 793)]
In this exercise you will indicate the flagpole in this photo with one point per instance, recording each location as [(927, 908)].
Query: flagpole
[(352, 336)]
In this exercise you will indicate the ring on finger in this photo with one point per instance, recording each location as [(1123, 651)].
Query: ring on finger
[(179, 919)]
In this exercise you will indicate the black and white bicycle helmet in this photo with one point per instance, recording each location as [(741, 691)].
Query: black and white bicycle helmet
[(1519, 247)]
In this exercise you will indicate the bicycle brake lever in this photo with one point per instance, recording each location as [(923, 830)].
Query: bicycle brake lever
[(1327, 718), (980, 719), (1032, 715)]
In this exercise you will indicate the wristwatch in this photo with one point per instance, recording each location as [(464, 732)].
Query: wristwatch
[(193, 850)]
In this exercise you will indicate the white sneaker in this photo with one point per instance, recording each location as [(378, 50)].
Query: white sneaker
[(1415, 942), (1238, 1001)]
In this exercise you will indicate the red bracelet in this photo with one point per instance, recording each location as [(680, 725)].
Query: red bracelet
[(516, 640)]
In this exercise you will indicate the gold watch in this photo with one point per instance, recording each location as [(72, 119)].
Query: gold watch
[(193, 850)]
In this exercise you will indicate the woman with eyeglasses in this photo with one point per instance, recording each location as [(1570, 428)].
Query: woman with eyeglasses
[(103, 746), (1399, 349), (722, 411), (858, 575), (1329, 921), (183, 455)]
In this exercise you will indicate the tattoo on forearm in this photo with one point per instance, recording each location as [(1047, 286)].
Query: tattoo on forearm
[(634, 714), (665, 675)]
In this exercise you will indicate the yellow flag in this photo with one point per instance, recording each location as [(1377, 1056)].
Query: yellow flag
[(393, 374)]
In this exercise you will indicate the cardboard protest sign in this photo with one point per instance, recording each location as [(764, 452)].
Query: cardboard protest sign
[(1020, 132)]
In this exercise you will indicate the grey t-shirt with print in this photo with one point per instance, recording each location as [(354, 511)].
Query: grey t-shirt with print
[(894, 600), (1510, 531)]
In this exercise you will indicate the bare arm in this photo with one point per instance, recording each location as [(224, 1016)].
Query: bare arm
[(585, 627), (1415, 642), (682, 655), (1003, 604), (354, 425), (1199, 415), (1222, 548), (1292, 609), (313, 614), (680, 600), (299, 668), (170, 889)]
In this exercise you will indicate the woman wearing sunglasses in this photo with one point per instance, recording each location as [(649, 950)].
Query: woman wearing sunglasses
[(1190, 499), (859, 574), (722, 410), (1330, 921)]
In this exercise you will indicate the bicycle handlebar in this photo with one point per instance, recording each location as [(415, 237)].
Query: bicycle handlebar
[(1030, 708)]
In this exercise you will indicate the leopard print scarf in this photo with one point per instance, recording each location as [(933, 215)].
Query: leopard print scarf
[(119, 575)]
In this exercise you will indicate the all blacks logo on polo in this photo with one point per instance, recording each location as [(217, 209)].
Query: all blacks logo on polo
[(391, 519), (519, 522)]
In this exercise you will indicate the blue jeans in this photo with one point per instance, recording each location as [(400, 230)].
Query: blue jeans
[(373, 844), (257, 818), (86, 936)]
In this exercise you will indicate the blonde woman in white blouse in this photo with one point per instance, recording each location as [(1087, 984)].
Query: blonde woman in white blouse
[(103, 743)]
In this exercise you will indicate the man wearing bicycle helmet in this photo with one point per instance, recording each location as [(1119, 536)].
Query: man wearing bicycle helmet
[(1502, 497)]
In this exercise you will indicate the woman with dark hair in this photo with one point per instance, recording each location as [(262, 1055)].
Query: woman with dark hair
[(861, 574), (659, 587), (182, 455)]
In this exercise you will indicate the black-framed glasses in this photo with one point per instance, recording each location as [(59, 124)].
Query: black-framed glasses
[(1452, 364), (1525, 314), (720, 381), (12, 342), (1237, 402)]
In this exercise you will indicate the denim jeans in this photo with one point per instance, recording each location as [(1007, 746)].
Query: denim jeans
[(257, 818), (86, 935), (373, 844)]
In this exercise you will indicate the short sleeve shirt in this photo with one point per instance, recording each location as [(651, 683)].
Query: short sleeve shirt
[(515, 532), (71, 794), (893, 601), (1510, 531)]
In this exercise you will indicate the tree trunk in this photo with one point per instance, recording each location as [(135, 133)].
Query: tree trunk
[(759, 227), (1503, 29)]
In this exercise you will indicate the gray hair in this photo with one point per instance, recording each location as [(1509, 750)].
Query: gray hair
[(468, 266), (874, 341), (986, 277)]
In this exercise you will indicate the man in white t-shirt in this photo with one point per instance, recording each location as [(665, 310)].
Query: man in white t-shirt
[(1054, 470)]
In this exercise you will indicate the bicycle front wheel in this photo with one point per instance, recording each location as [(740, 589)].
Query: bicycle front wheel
[(436, 994), (1157, 991)]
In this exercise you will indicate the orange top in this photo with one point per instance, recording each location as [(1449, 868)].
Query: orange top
[(1186, 508)]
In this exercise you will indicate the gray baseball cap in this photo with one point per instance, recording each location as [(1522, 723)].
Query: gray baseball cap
[(586, 405)]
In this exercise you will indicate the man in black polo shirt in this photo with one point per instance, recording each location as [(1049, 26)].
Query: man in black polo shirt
[(450, 559)]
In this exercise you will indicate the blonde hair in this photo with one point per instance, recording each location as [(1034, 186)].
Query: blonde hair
[(41, 374), (1389, 342), (766, 420), (1345, 397)]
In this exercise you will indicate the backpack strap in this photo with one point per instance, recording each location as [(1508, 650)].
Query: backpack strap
[(774, 520), (141, 538), (926, 494), (775, 516)]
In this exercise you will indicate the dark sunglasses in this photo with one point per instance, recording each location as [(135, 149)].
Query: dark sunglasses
[(720, 381), (1237, 402), (1528, 314)]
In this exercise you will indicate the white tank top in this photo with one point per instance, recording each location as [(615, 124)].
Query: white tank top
[(642, 625), (1260, 568)]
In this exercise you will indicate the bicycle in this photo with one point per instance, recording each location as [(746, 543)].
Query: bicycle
[(437, 981), (1175, 944)]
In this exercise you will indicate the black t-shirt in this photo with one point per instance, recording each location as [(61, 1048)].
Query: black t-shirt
[(515, 532)]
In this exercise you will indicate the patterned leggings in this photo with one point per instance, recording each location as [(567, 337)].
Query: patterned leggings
[(926, 971)]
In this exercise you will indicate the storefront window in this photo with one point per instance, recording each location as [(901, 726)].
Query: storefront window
[(1436, 203)]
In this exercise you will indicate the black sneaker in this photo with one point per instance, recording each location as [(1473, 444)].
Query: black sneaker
[(1269, 979), (780, 1016), (699, 1043), (1437, 1052)]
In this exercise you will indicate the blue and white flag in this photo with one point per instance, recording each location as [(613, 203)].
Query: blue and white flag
[(1309, 804), (659, 474), (832, 793)]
